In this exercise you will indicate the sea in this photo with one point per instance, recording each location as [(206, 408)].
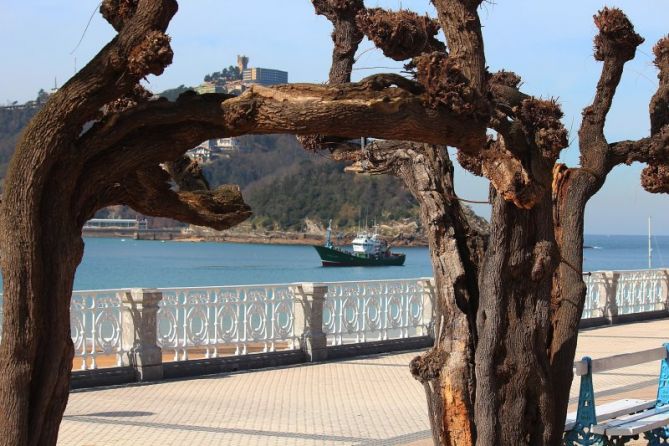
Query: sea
[(125, 263)]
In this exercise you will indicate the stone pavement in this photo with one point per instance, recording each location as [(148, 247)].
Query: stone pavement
[(364, 401)]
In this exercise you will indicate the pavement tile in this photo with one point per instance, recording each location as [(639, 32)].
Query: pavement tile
[(363, 401)]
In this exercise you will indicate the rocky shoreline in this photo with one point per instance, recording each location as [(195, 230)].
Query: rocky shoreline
[(291, 237), (403, 233)]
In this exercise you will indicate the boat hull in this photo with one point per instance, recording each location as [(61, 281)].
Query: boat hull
[(338, 257)]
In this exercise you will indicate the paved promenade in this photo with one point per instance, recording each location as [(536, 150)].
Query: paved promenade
[(365, 401)]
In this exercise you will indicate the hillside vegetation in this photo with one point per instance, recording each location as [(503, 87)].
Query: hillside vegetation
[(12, 122), (285, 185)]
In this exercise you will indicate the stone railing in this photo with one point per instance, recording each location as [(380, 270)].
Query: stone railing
[(145, 328), (619, 295), (148, 331)]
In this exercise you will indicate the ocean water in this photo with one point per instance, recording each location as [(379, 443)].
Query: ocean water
[(123, 263)]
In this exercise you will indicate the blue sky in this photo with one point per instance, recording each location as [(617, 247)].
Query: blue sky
[(548, 44)]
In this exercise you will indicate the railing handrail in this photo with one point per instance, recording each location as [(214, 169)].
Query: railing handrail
[(288, 284), (625, 270)]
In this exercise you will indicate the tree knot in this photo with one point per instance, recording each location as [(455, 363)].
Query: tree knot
[(616, 37), (655, 178), (118, 12), (447, 86), (512, 180), (543, 259), (506, 78), (400, 34), (151, 56), (541, 121), (661, 51), (136, 96), (335, 10), (473, 162), (427, 367)]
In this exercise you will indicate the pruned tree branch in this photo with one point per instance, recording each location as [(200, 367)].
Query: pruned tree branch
[(371, 107), (652, 150), (461, 24), (659, 104), (148, 191), (614, 45), (346, 35)]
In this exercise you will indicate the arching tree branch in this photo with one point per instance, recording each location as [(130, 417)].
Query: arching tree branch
[(367, 108)]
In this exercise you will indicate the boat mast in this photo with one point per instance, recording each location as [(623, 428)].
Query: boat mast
[(650, 248), (328, 235)]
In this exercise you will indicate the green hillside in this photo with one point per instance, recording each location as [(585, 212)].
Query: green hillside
[(12, 122), (284, 184)]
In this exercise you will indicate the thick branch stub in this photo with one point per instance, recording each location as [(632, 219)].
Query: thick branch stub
[(659, 104), (506, 78), (151, 56), (402, 34), (447, 86), (137, 96), (541, 121), (148, 191), (655, 179), (512, 180), (187, 174), (118, 12), (616, 37), (337, 9), (427, 367)]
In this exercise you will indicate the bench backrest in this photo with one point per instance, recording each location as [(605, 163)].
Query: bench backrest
[(619, 361)]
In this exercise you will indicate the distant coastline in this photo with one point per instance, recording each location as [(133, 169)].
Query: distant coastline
[(247, 236)]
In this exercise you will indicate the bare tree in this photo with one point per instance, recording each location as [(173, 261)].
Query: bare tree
[(506, 314)]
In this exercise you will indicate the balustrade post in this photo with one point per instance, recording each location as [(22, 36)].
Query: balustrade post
[(664, 283), (309, 320), (608, 290), (140, 308), (429, 304)]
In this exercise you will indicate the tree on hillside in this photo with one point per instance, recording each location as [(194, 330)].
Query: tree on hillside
[(506, 313)]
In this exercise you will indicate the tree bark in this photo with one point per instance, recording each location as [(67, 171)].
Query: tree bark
[(446, 371), (513, 388), (37, 221), (455, 251)]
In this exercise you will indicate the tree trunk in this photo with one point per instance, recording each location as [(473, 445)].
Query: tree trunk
[(572, 189), (446, 370), (41, 244), (514, 395), (37, 349)]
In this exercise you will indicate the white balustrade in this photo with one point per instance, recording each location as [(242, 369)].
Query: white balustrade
[(238, 320), (96, 323), (641, 291), (376, 310), (592, 307), (242, 317)]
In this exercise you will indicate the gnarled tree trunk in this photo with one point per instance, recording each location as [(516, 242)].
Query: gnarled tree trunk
[(514, 392)]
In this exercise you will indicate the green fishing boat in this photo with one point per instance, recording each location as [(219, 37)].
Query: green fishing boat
[(368, 250)]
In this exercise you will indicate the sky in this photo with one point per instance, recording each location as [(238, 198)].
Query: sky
[(548, 44)]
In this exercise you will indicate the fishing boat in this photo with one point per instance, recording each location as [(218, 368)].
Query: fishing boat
[(368, 250)]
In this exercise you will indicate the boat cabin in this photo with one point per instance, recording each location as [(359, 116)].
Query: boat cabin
[(369, 244)]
